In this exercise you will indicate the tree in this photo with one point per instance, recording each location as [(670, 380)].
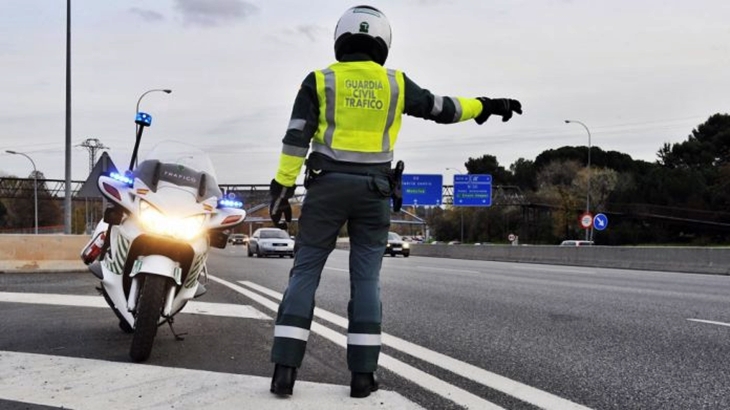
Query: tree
[(488, 164), (524, 175), (3, 214), (557, 187), (707, 146), (21, 209)]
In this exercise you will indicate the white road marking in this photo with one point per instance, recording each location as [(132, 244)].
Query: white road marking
[(198, 308), (83, 384), (337, 269), (712, 322), (446, 269), (513, 388), (450, 392)]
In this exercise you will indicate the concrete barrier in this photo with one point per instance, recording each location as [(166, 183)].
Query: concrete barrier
[(671, 259), (709, 260), (41, 253), (46, 253)]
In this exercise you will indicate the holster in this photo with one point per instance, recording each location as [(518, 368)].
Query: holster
[(396, 185), (310, 173)]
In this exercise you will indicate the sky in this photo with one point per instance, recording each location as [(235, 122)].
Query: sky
[(638, 74)]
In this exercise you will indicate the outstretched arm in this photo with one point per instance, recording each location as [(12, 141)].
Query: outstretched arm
[(421, 103)]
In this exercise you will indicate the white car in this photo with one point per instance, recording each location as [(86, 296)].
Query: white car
[(571, 242), (270, 241)]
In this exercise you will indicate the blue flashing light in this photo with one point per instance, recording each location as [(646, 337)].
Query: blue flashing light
[(121, 178), (230, 203), (143, 119)]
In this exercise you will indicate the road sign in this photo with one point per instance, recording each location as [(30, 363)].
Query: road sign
[(472, 190), (511, 237), (422, 189), (586, 220), (600, 222)]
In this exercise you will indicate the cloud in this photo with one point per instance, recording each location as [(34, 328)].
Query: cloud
[(312, 32), (147, 15), (214, 13)]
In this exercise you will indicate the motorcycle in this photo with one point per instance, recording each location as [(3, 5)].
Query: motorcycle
[(150, 250)]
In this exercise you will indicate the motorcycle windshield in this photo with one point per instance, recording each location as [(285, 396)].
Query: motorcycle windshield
[(179, 164)]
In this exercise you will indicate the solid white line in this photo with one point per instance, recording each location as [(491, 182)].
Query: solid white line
[(446, 269), (83, 384), (423, 379), (337, 269), (197, 308), (712, 322), (513, 388)]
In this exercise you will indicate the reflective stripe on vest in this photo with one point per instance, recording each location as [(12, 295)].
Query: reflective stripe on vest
[(361, 104)]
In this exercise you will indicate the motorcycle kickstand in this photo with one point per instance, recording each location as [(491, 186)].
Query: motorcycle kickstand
[(178, 336)]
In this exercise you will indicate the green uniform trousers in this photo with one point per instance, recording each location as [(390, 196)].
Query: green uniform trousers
[(333, 200)]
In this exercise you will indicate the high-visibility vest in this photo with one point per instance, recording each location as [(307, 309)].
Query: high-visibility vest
[(361, 105)]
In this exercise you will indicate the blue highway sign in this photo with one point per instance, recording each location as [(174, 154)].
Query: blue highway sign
[(473, 190), (600, 222), (424, 190)]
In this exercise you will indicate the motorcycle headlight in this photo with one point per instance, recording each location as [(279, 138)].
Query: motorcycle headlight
[(156, 222)]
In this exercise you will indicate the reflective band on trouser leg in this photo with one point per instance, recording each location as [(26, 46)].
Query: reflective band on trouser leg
[(363, 351), (363, 347), (363, 339), (291, 332), (290, 340)]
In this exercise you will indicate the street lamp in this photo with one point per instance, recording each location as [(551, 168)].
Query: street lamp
[(35, 185), (136, 126), (461, 210), (164, 90), (588, 191)]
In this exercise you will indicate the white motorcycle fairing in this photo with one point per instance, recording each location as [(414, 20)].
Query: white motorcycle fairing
[(166, 216)]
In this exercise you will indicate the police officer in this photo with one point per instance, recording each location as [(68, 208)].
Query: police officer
[(348, 115)]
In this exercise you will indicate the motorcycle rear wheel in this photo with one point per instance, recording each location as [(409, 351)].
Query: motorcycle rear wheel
[(149, 309)]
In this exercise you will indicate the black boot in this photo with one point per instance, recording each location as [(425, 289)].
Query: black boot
[(283, 381), (363, 384)]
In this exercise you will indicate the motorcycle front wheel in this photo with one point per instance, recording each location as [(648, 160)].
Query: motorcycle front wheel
[(149, 309)]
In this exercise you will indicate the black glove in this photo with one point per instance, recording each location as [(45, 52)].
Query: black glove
[(279, 206), (498, 106)]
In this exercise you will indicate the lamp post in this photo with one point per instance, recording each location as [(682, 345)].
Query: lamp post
[(35, 185), (136, 110), (164, 90), (588, 191), (461, 210)]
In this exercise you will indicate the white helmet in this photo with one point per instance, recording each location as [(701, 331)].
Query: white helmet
[(364, 29)]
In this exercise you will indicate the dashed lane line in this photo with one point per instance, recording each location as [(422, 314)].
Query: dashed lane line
[(505, 385), (421, 378)]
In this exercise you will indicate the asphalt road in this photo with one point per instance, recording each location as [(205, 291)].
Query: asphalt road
[(456, 334)]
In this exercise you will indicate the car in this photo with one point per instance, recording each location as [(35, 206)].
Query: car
[(396, 245), (238, 239), (572, 242), (270, 241)]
